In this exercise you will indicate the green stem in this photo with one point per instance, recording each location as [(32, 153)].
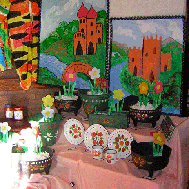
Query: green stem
[(95, 85), (117, 105), (69, 84), (65, 93)]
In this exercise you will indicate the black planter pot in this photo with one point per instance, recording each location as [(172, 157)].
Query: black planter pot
[(145, 116), (142, 157), (68, 105), (30, 167)]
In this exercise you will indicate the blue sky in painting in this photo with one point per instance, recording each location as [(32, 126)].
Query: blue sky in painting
[(131, 32), (55, 11)]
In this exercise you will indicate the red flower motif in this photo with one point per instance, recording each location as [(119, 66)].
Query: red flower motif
[(116, 146), (94, 142), (75, 130), (67, 106), (93, 134), (79, 128), (108, 156), (61, 105), (99, 120), (106, 120), (73, 125), (101, 142), (100, 134), (127, 143), (104, 83), (75, 136), (158, 87), (70, 132), (138, 115), (79, 134), (87, 106), (113, 120), (121, 143)]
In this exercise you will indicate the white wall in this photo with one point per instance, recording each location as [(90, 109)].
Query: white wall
[(129, 8)]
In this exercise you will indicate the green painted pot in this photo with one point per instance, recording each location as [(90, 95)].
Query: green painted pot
[(48, 130), (118, 120), (90, 102)]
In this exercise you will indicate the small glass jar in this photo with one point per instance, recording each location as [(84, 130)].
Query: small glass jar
[(18, 113), (8, 110)]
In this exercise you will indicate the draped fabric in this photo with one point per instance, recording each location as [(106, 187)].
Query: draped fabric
[(23, 30), (5, 50)]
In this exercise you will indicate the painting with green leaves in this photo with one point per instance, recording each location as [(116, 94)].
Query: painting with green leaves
[(147, 52), (73, 37)]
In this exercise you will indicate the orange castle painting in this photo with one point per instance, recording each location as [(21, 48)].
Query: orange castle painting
[(89, 33), (149, 61), (149, 50)]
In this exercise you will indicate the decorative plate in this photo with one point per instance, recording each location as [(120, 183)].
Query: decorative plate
[(120, 140), (96, 134), (74, 131)]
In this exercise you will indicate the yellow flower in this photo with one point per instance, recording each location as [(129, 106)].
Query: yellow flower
[(118, 94), (143, 88), (159, 138), (48, 101)]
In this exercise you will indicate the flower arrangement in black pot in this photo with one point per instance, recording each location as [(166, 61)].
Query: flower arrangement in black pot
[(151, 156)]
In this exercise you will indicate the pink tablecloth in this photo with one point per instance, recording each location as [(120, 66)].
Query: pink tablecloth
[(78, 166)]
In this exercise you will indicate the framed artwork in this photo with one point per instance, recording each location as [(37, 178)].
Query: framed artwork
[(73, 37), (149, 49)]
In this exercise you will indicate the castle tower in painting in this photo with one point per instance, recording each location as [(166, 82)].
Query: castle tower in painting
[(149, 61), (89, 34)]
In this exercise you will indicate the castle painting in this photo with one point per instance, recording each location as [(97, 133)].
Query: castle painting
[(89, 34), (149, 61), (72, 37), (149, 50)]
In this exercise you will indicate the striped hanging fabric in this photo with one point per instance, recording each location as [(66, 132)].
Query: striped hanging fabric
[(23, 30)]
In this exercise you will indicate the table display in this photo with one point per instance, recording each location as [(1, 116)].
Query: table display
[(73, 165)]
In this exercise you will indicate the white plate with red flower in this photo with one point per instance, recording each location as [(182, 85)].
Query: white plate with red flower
[(74, 131), (96, 134), (120, 140)]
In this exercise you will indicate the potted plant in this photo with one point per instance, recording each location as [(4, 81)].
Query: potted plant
[(151, 156), (48, 120), (98, 95), (69, 101), (148, 108), (114, 116), (36, 158)]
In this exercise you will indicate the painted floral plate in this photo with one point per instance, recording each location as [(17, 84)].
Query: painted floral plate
[(74, 131), (96, 134), (120, 140)]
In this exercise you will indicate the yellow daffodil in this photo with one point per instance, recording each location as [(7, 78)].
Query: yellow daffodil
[(118, 94), (143, 88), (48, 101), (159, 138)]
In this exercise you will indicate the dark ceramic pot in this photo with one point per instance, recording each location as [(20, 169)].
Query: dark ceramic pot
[(68, 105), (48, 130), (142, 157), (30, 167), (92, 102), (145, 116), (118, 120)]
